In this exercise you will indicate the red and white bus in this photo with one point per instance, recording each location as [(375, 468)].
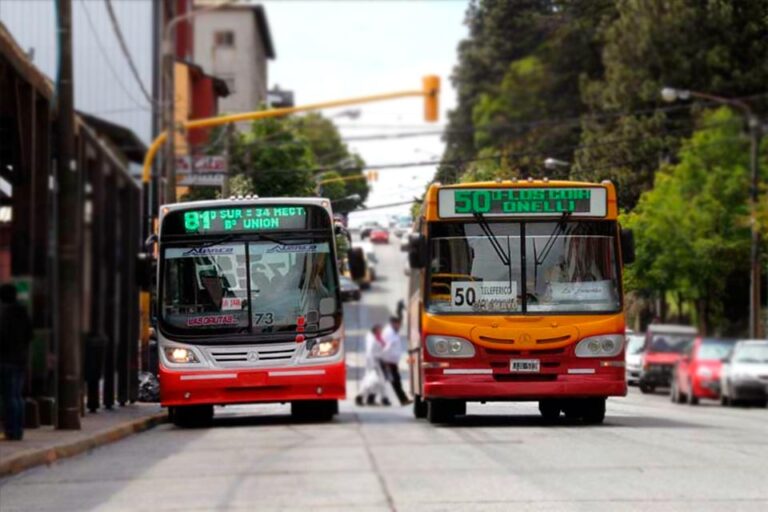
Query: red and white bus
[(249, 307)]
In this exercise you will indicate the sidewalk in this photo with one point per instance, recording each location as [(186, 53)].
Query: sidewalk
[(45, 445)]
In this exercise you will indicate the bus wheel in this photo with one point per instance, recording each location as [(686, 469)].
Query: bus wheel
[(593, 411), (445, 411), (549, 409), (419, 407), (314, 410), (191, 416)]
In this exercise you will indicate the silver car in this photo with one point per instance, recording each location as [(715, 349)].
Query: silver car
[(744, 377), (634, 357)]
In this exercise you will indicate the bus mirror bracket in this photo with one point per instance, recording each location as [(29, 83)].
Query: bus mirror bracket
[(356, 259), (417, 250), (627, 246)]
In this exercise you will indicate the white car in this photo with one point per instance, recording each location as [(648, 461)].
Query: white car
[(744, 376), (634, 356)]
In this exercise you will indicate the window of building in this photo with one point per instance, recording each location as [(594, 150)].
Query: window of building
[(224, 38)]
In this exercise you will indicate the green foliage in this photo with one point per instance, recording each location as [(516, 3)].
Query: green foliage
[(717, 46), (691, 229)]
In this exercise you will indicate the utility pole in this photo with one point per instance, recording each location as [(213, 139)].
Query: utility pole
[(755, 323), (169, 84), (70, 220), (229, 133)]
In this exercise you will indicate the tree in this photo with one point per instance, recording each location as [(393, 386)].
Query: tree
[(717, 46), (692, 228)]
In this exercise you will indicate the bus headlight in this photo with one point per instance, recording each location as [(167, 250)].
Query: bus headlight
[(600, 346), (323, 347), (180, 355), (449, 346)]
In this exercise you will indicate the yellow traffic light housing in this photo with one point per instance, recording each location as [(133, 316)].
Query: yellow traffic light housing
[(431, 95)]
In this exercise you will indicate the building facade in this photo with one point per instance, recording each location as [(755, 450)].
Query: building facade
[(234, 44)]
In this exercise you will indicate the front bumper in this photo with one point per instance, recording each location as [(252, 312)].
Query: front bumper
[(751, 389), (657, 375), (262, 385), (521, 387), (706, 388)]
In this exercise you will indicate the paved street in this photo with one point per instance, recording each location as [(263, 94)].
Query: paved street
[(649, 454)]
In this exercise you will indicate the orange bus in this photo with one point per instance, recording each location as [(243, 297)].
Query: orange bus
[(516, 295)]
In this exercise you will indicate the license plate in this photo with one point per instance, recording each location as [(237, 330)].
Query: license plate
[(525, 365)]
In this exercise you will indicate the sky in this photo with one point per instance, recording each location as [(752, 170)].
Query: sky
[(329, 50), (325, 50)]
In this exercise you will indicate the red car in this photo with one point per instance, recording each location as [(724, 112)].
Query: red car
[(379, 236), (697, 373)]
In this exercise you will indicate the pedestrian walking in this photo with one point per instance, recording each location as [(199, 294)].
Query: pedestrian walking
[(15, 337), (391, 355), (372, 385)]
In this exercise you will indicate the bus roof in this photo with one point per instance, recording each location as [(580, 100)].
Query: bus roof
[(431, 208)]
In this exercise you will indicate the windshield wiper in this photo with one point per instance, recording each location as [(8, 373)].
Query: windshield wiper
[(280, 242), (218, 241), (503, 256), (559, 230)]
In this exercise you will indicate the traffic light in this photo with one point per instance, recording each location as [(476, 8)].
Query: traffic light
[(431, 96)]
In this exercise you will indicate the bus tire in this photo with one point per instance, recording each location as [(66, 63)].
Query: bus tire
[(191, 416), (314, 410), (445, 411), (593, 411), (419, 407), (549, 409)]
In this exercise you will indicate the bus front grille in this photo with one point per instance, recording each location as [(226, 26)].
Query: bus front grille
[(262, 355)]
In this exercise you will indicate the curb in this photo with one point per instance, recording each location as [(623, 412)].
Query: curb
[(31, 458)]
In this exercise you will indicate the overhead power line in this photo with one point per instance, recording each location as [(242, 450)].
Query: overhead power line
[(126, 52)]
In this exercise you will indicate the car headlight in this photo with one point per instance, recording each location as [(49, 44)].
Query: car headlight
[(180, 355), (323, 347), (449, 346), (704, 372), (600, 346)]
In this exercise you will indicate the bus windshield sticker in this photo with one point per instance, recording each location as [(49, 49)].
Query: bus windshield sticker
[(211, 320), (267, 318), (483, 296), (271, 248), (590, 291), (522, 202), (232, 303)]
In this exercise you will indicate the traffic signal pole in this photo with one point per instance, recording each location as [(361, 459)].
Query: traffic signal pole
[(430, 92)]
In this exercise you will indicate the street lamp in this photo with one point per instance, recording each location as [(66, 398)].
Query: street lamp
[(670, 94), (554, 163)]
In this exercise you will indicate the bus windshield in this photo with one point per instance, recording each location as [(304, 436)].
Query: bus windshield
[(570, 267), (249, 287)]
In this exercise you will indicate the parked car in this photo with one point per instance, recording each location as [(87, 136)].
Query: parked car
[(379, 236), (634, 356), (745, 374), (664, 344), (349, 289), (367, 227), (697, 373), (402, 228)]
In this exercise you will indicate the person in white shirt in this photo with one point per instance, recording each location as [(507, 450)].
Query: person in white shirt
[(390, 357), (372, 384)]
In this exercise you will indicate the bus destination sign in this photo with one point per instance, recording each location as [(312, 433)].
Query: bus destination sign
[(244, 219), (522, 202)]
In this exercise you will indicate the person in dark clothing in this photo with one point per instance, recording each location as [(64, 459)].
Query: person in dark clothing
[(15, 337)]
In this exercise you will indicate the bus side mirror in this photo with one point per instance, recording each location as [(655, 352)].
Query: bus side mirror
[(627, 246), (144, 271), (356, 259), (417, 250)]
